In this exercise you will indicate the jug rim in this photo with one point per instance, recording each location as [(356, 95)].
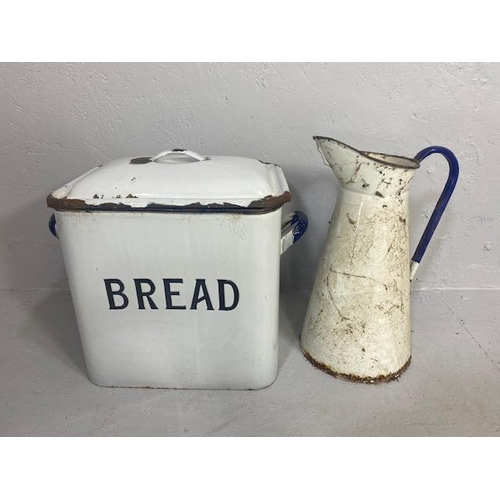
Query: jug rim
[(376, 156)]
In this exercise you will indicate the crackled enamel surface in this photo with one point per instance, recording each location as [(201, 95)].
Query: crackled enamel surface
[(358, 320)]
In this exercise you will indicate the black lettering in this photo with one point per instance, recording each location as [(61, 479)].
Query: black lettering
[(112, 293), (200, 285), (169, 292), (222, 295), (141, 293)]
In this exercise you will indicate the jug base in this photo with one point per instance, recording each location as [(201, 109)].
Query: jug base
[(356, 378)]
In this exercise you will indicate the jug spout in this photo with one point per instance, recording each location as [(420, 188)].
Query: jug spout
[(365, 172)]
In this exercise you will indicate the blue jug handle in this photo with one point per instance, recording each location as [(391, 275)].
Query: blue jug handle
[(441, 204)]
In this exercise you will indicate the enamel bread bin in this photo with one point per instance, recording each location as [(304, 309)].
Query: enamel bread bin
[(173, 265)]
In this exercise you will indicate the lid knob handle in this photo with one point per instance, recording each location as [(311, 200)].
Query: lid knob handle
[(184, 152)]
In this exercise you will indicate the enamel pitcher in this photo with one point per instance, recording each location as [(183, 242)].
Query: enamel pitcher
[(357, 325)]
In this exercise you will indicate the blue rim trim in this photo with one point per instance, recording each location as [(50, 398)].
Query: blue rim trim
[(443, 199), (52, 225)]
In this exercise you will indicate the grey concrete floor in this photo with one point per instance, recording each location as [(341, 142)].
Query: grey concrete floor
[(452, 387)]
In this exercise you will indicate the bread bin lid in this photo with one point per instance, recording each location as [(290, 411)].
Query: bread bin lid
[(176, 180)]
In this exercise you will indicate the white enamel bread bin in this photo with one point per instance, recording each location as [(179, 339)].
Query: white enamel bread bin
[(173, 263)]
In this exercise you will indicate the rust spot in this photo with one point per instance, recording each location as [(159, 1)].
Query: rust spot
[(264, 205), (377, 193), (140, 161), (268, 163), (356, 378), (351, 221)]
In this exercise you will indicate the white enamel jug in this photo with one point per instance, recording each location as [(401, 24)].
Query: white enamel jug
[(357, 325)]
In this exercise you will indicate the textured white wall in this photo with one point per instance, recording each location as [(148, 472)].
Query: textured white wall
[(60, 120)]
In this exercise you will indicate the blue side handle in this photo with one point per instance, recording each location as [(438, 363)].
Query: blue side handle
[(52, 225), (292, 229), (441, 204)]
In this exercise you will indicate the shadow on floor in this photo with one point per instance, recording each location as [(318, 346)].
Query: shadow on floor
[(293, 307), (57, 329)]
